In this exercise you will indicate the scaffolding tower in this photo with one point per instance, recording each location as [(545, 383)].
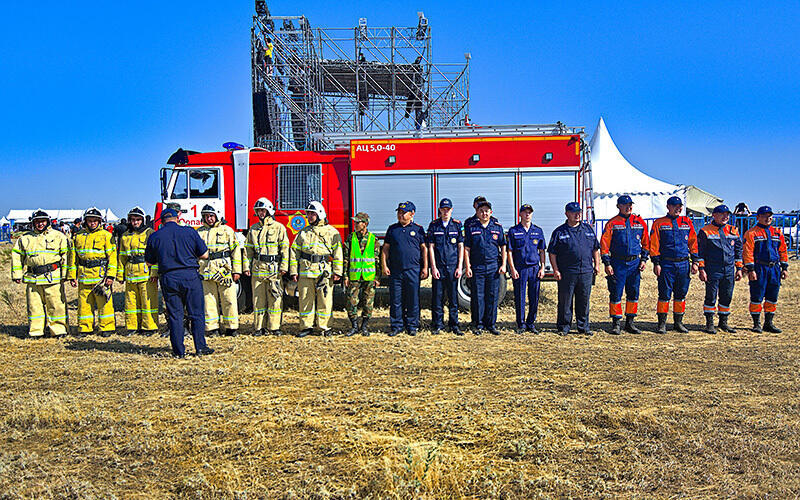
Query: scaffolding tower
[(348, 80)]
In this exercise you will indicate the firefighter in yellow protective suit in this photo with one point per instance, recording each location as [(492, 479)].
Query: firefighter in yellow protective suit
[(141, 292), (316, 262), (220, 273), (266, 260), (92, 268), (39, 258)]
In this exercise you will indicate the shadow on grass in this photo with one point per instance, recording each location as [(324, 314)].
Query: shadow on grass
[(119, 346), (19, 331)]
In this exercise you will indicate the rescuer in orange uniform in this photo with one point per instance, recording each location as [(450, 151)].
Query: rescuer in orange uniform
[(767, 263), (624, 248), (673, 243)]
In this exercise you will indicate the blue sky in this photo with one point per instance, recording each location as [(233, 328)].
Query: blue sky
[(97, 96)]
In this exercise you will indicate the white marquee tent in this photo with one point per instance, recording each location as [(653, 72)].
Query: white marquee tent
[(613, 176)]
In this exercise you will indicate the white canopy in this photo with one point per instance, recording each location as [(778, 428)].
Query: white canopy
[(4, 221), (70, 214), (613, 176)]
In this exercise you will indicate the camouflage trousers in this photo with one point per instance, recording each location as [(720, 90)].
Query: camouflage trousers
[(360, 295)]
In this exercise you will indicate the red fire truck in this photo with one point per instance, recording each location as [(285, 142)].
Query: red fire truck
[(546, 166)]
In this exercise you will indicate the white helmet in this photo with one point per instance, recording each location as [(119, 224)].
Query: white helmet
[(265, 204), (317, 208)]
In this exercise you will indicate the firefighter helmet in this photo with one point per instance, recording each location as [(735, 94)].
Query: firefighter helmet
[(208, 209), (136, 211), (265, 204), (317, 208), (39, 214), (92, 212)]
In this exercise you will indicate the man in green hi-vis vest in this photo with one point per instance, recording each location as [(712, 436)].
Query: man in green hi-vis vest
[(361, 273)]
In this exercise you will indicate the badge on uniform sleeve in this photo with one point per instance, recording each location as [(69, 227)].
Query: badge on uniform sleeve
[(535, 241), (494, 236), (413, 233), (687, 237), (452, 240)]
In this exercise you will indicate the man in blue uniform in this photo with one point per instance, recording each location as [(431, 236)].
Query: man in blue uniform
[(474, 217), (720, 249), (624, 248), (175, 249), (485, 258), (575, 258), (526, 263), (404, 258), (446, 248)]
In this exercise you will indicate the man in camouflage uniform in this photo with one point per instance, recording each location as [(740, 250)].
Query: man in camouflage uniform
[(220, 273), (39, 259), (316, 263), (361, 263), (92, 268), (141, 292), (266, 260)]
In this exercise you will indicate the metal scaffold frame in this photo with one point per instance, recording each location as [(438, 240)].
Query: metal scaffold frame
[(322, 82)]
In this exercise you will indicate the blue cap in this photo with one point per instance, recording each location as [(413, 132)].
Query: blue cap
[(766, 209), (721, 209), (526, 206), (674, 200), (572, 206), (169, 212), (445, 203), (407, 206), (478, 198), (624, 200)]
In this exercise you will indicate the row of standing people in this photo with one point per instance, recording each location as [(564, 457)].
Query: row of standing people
[(479, 247)]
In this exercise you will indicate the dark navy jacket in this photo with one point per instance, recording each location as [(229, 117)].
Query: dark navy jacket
[(485, 245), (445, 241), (573, 248), (525, 245), (405, 244), (174, 248), (719, 247)]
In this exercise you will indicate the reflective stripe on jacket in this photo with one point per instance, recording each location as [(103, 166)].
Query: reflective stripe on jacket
[(34, 249)]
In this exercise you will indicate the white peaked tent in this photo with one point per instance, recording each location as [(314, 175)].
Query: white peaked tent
[(613, 176)]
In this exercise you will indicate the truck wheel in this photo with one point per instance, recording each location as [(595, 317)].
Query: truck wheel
[(464, 293), (244, 294)]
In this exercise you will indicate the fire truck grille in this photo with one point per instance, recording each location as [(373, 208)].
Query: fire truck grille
[(298, 185)]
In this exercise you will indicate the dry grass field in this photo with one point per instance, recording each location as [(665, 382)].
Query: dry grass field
[(647, 416)]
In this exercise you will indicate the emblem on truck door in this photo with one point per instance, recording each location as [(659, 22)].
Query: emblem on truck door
[(297, 222)]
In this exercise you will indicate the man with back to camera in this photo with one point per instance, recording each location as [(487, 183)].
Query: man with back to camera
[(404, 259), (575, 258), (176, 249)]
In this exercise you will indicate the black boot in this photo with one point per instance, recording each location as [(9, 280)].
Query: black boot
[(304, 332), (723, 324), (662, 323), (769, 326), (629, 326), (353, 327), (756, 323), (615, 328), (710, 328), (677, 319), (364, 330)]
